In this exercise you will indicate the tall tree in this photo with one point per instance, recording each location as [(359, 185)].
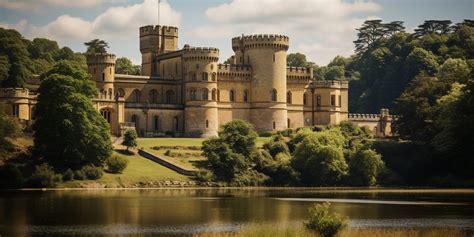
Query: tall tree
[(96, 46), (125, 66), (433, 26), (296, 60), (68, 130), (370, 32), (13, 47)]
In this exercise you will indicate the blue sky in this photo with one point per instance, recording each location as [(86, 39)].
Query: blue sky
[(321, 29)]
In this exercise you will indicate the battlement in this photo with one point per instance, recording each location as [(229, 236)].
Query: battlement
[(100, 58), (150, 30), (330, 84), (234, 70), (14, 93), (370, 117), (198, 53), (260, 40), (170, 31), (299, 72)]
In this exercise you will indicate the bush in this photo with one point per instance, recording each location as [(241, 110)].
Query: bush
[(364, 167), (323, 222), (44, 177), (204, 176), (68, 175), (130, 139), (276, 147), (91, 172), (116, 164), (10, 176), (79, 175)]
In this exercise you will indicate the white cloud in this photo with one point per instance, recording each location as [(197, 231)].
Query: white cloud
[(34, 5), (321, 29), (116, 22)]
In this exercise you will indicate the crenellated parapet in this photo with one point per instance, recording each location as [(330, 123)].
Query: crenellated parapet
[(201, 53), (170, 31), (299, 73), (330, 84), (260, 41), (14, 93), (100, 58), (234, 70)]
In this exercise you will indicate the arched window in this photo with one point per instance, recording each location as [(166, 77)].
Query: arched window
[(136, 96), (120, 92), (274, 125), (135, 120), (106, 114), (207, 123), (340, 101), (205, 94), (103, 94), (218, 95), (304, 99), (246, 96), (169, 97), (214, 76), (231, 95), (213, 94), (274, 95), (110, 93), (289, 97), (205, 76), (193, 76), (192, 94), (153, 96), (156, 122)]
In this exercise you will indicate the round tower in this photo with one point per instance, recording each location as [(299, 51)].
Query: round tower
[(200, 75), (267, 56), (102, 68)]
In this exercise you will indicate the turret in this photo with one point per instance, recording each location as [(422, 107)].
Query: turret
[(101, 66), (155, 40), (267, 56), (200, 75)]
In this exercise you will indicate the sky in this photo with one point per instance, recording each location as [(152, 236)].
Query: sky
[(320, 29)]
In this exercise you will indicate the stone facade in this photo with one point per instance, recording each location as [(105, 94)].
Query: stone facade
[(186, 92)]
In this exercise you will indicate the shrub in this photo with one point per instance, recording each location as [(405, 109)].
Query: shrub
[(68, 175), (79, 175), (10, 176), (91, 172), (116, 164), (276, 147), (130, 139), (204, 176), (323, 222), (44, 177), (364, 167)]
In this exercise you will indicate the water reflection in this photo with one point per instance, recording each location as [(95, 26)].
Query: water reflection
[(184, 211)]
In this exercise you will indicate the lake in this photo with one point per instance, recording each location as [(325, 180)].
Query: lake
[(182, 212)]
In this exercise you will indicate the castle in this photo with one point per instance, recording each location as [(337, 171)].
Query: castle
[(186, 92)]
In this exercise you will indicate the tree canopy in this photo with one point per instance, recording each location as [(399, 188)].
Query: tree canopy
[(96, 46), (125, 66)]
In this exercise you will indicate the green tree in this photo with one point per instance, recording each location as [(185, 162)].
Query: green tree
[(335, 73), (96, 46), (9, 128), (116, 164), (240, 137), (41, 48), (4, 67), (421, 60), (296, 60), (454, 70), (364, 167), (434, 26), (68, 129), (130, 139), (125, 66), (19, 63), (323, 222)]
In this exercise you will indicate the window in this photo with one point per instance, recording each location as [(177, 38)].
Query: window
[(340, 101), (204, 76), (304, 99), (318, 100), (288, 123), (106, 114), (120, 92), (205, 94), (192, 94), (274, 95), (274, 125), (213, 76), (246, 96), (273, 57), (136, 96), (169, 97), (212, 66), (231, 95), (288, 97), (333, 100), (153, 96), (110, 93), (15, 110), (176, 68), (207, 123), (176, 123), (103, 76), (218, 95), (213, 94), (110, 71), (156, 122), (135, 121), (193, 76)]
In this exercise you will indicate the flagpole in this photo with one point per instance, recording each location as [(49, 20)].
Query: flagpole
[(158, 12)]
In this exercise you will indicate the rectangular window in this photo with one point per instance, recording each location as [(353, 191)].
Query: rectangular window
[(333, 100), (15, 110), (340, 101), (318, 100), (103, 76)]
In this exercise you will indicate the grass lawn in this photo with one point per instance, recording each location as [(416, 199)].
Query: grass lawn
[(139, 170), (151, 142)]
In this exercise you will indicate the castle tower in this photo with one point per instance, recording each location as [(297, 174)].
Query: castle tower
[(200, 75), (155, 40), (267, 56), (102, 68)]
